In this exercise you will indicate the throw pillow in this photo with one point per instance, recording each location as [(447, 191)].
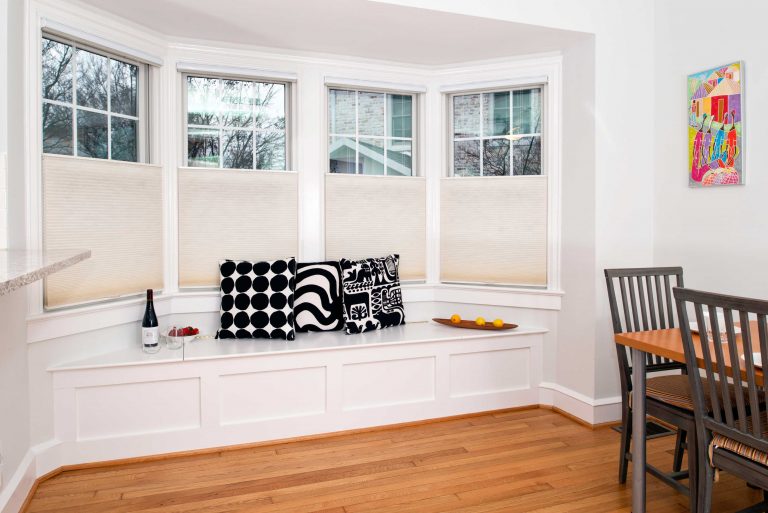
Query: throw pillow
[(257, 299), (318, 305), (372, 296)]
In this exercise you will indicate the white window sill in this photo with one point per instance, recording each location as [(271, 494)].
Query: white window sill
[(48, 325)]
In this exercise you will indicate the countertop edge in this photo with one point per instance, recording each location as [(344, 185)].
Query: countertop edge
[(34, 275)]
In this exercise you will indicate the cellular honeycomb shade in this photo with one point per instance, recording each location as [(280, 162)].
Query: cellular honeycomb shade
[(375, 216), (235, 215), (115, 210), (494, 230)]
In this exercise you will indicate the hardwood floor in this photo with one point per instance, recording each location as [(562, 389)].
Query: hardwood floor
[(523, 461)]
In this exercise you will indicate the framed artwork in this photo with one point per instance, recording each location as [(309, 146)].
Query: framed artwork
[(715, 126)]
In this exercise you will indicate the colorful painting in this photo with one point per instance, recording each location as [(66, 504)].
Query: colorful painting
[(715, 128)]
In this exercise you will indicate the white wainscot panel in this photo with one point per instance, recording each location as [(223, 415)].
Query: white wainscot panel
[(490, 372), (257, 396), (137, 408), (388, 383)]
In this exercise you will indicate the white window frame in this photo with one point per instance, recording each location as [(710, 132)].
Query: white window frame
[(541, 133), (142, 107), (414, 139), (287, 108)]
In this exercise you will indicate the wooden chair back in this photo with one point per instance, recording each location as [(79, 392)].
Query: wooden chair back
[(641, 300), (727, 341)]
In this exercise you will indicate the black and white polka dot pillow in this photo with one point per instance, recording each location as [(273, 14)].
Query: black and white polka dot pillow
[(257, 299)]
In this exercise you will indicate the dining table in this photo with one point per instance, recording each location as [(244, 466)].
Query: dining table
[(667, 343)]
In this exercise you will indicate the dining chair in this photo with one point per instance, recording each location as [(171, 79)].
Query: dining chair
[(641, 300), (731, 429)]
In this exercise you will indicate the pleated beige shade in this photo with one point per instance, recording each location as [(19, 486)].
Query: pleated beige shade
[(234, 214), (494, 230), (373, 216), (113, 208)]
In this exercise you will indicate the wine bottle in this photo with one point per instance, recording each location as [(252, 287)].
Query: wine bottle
[(150, 332)]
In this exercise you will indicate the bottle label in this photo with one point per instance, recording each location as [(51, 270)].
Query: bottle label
[(150, 337)]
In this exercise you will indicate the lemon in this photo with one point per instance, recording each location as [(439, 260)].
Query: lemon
[(498, 323), (455, 318), (480, 321)]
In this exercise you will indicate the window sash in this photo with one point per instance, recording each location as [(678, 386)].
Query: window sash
[(384, 138), (481, 138), (287, 94), (142, 103)]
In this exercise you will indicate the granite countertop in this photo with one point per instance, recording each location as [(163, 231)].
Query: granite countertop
[(19, 267)]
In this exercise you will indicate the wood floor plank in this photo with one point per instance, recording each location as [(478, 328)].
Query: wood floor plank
[(527, 461)]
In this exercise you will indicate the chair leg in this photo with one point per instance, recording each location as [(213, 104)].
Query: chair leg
[(706, 478), (626, 438), (677, 463), (694, 476)]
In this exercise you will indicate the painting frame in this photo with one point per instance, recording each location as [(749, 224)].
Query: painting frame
[(715, 126)]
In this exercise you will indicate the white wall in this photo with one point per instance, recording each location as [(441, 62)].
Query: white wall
[(14, 383), (718, 235)]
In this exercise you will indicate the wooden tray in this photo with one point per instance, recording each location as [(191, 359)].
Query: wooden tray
[(470, 325)]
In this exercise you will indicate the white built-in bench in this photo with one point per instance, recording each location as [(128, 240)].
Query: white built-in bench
[(225, 392)]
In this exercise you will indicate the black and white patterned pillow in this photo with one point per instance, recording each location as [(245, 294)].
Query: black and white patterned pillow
[(257, 299), (372, 296), (318, 305)]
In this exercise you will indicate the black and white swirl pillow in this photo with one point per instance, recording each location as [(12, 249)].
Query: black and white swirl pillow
[(257, 299), (318, 305)]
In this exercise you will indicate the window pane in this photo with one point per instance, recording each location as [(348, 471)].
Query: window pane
[(466, 116), (237, 100), (92, 70), (341, 112), (57, 129), (341, 152), (237, 149), (399, 155), (270, 106), (496, 113), (270, 150), (57, 72), (125, 87), (91, 134), (371, 156), (400, 115), (496, 157), (527, 156), (466, 158), (527, 111), (370, 113), (202, 101), (203, 147), (124, 139)]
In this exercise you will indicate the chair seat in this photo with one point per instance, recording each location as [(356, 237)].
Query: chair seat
[(676, 390), (729, 444)]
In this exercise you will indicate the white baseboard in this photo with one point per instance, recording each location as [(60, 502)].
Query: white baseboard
[(16, 490), (591, 411)]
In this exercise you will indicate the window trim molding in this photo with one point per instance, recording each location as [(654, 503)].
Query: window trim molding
[(547, 73), (289, 98)]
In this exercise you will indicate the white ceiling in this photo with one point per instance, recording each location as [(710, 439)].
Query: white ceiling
[(359, 28)]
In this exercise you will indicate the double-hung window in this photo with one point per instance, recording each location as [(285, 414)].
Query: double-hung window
[(92, 103), (375, 200), (494, 201), (236, 124), (95, 104), (237, 197), (370, 133)]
